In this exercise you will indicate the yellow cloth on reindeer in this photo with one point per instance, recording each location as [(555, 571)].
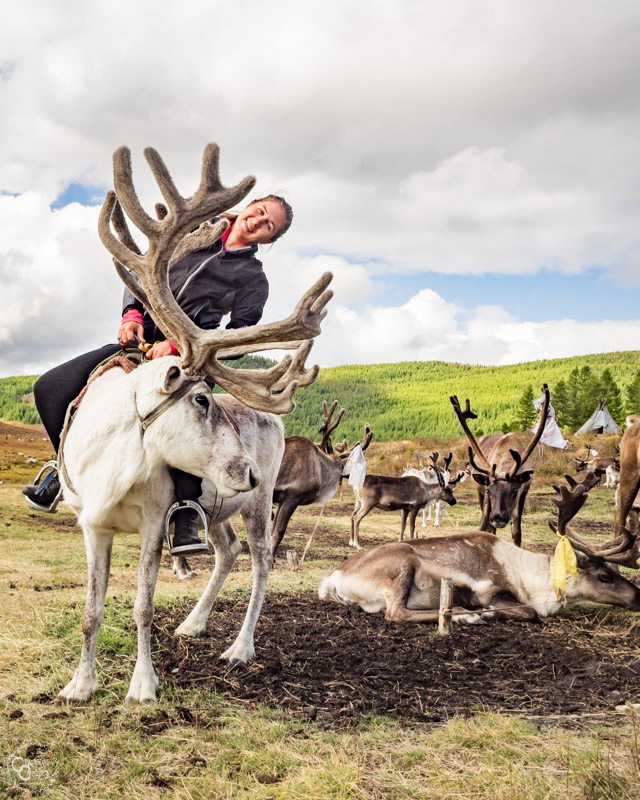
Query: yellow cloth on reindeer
[(563, 564)]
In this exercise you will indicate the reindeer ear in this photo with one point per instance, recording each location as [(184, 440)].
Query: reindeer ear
[(522, 477), (483, 480), (170, 377)]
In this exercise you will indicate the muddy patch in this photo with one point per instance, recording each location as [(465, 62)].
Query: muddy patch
[(321, 660)]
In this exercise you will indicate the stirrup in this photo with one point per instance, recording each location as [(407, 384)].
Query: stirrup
[(51, 509), (179, 505)]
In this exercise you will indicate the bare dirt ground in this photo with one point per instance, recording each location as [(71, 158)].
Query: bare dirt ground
[(327, 661)]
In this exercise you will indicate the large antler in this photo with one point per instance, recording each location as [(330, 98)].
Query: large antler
[(463, 416), (622, 549), (434, 460), (265, 390), (328, 427)]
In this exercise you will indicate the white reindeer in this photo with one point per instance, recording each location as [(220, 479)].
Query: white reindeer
[(131, 426)]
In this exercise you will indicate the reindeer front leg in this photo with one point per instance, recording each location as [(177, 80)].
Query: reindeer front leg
[(84, 682), (485, 504), (412, 522), (516, 531), (256, 522), (227, 547), (144, 682)]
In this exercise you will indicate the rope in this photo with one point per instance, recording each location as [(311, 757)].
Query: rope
[(310, 539)]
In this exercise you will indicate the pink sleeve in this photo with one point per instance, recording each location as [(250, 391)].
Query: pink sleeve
[(174, 349), (131, 315)]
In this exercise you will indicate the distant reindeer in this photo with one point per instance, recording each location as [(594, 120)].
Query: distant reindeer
[(408, 494), (491, 578), (428, 475), (597, 464), (310, 473), (502, 471)]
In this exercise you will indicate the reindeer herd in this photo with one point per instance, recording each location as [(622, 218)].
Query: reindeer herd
[(162, 414)]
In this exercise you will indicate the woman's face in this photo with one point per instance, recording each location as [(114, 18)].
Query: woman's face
[(259, 222)]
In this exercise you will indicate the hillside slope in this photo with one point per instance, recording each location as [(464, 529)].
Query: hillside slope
[(407, 400)]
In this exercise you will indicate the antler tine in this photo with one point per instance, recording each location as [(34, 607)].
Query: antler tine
[(448, 461), (463, 416), (569, 502), (590, 480), (328, 427), (515, 455), (539, 429), (368, 436), (342, 447), (475, 466), (296, 368), (623, 549), (435, 456)]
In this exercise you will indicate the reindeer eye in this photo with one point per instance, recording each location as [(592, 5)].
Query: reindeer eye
[(202, 400), (604, 577)]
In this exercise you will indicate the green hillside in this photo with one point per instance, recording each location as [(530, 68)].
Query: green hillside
[(411, 399)]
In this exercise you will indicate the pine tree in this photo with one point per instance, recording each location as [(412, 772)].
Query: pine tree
[(633, 395), (609, 389), (526, 414), (560, 401)]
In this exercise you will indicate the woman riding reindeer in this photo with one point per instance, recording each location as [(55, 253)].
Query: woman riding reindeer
[(209, 278)]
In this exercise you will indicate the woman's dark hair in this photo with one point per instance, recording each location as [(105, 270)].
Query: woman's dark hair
[(288, 214)]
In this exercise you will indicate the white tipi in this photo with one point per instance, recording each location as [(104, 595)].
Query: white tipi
[(600, 421)]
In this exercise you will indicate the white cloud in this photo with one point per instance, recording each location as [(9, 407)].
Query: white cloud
[(460, 137)]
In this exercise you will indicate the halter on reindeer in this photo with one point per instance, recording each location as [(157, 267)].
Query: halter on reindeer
[(163, 415)]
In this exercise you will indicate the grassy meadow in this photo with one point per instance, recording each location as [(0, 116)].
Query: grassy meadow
[(194, 744)]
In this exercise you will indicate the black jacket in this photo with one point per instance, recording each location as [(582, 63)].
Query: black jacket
[(210, 283)]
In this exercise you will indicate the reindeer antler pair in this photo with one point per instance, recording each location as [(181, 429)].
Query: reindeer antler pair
[(622, 549), (519, 460), (265, 390)]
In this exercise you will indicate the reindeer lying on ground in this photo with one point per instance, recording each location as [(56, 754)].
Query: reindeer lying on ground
[(163, 414), (502, 471), (428, 475), (403, 579), (310, 473), (408, 494)]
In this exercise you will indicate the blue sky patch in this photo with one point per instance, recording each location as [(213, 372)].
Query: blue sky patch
[(78, 193), (589, 296)]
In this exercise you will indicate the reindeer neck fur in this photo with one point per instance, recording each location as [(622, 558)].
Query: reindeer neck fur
[(107, 456), (530, 577)]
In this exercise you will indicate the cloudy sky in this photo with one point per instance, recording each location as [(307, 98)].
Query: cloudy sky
[(468, 169)]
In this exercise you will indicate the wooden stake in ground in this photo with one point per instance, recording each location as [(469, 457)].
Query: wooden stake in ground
[(446, 600), (292, 559)]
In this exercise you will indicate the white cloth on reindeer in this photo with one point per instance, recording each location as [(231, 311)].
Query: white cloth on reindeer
[(356, 467), (551, 435)]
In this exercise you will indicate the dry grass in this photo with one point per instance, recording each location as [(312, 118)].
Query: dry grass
[(195, 745)]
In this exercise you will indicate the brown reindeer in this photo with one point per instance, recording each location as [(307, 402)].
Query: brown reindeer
[(407, 494), (502, 471), (310, 473), (627, 501), (403, 579), (598, 464)]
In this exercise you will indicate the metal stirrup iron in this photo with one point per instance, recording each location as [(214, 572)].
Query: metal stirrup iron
[(42, 484), (179, 506)]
